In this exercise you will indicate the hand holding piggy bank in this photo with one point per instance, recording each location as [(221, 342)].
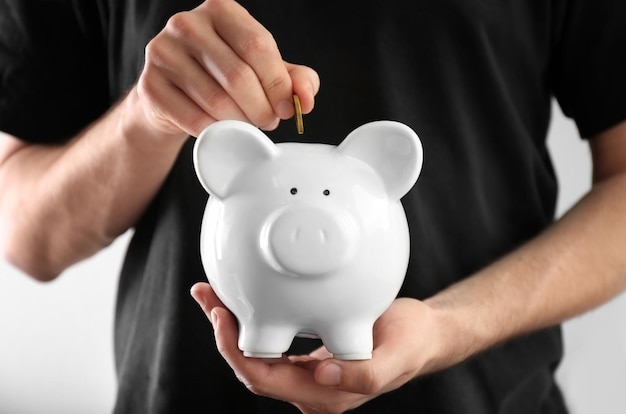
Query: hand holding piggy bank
[(306, 239)]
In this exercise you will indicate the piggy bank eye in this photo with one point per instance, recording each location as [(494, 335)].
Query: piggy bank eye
[(294, 191), (326, 192)]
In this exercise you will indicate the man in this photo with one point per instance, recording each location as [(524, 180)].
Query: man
[(490, 275)]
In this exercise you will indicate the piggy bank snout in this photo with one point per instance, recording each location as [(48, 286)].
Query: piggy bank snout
[(307, 241)]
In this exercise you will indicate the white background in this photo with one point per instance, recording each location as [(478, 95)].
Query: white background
[(56, 352)]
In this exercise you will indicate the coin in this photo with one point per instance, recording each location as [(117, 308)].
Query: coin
[(299, 122)]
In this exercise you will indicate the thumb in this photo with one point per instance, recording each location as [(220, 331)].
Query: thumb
[(306, 84), (367, 377)]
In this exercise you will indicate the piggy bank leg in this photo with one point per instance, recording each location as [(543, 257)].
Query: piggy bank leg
[(349, 341), (262, 341)]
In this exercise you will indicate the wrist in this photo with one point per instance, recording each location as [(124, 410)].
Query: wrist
[(142, 130), (426, 335), (453, 339)]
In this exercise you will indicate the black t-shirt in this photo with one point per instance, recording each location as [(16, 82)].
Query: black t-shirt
[(474, 79)]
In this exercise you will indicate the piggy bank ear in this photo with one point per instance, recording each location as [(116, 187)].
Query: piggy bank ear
[(226, 148), (392, 149)]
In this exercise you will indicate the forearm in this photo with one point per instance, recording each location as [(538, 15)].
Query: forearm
[(572, 267), (72, 200)]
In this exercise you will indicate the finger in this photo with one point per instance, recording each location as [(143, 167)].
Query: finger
[(189, 76), (204, 295), (306, 84), (255, 46), (283, 381), (168, 107), (194, 32), (237, 78), (362, 377), (203, 89)]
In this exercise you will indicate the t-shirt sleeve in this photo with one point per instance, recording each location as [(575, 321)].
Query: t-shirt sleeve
[(53, 70), (589, 65)]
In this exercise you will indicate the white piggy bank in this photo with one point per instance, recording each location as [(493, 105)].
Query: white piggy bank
[(306, 239)]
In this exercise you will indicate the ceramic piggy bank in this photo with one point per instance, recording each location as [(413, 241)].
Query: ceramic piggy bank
[(302, 239)]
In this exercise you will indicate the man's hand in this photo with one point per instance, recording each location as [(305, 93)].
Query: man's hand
[(217, 62), (405, 342), (575, 265), (214, 62)]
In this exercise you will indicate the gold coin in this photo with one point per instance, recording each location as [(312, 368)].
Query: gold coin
[(299, 122)]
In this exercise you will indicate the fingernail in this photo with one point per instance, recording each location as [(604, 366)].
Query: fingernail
[(329, 375), (197, 297), (285, 109)]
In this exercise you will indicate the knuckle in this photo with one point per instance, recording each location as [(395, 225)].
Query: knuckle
[(238, 76), (216, 102), (183, 28), (258, 44), (154, 52), (180, 24), (277, 83), (145, 88), (219, 5), (371, 384)]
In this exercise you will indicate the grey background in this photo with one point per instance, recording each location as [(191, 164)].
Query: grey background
[(56, 352)]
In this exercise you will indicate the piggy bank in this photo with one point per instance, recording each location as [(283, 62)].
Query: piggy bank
[(304, 239)]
